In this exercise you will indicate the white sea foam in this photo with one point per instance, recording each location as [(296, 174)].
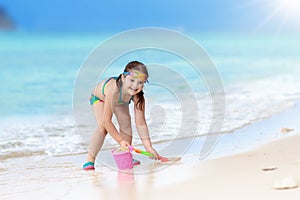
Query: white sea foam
[(38, 136)]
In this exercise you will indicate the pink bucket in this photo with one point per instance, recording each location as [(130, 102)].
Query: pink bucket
[(123, 159)]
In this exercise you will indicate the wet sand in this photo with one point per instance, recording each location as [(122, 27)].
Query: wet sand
[(249, 175)]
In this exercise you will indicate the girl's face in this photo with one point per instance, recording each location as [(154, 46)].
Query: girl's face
[(134, 82)]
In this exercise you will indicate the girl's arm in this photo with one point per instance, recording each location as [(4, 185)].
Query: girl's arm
[(108, 113), (143, 131)]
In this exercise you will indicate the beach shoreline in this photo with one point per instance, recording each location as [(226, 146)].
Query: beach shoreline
[(237, 173)]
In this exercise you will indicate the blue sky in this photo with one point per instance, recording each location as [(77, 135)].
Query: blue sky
[(184, 15)]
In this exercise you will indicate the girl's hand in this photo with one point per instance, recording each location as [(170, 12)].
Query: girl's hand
[(124, 144), (153, 151)]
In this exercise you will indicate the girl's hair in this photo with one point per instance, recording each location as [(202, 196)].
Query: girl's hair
[(135, 65)]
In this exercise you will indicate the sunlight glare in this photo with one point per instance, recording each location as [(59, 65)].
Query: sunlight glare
[(290, 8)]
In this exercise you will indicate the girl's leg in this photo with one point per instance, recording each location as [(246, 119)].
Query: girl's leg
[(98, 136), (124, 120), (95, 144)]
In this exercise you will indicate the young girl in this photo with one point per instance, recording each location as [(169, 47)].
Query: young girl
[(113, 96)]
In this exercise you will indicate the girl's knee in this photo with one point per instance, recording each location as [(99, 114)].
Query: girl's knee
[(101, 130)]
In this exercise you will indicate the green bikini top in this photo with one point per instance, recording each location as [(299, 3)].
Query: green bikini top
[(120, 101)]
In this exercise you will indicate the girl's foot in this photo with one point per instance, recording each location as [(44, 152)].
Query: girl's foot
[(88, 166), (135, 162)]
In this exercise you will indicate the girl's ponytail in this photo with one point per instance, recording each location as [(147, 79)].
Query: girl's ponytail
[(119, 81), (140, 105)]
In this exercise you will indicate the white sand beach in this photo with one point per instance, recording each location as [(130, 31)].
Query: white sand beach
[(266, 171)]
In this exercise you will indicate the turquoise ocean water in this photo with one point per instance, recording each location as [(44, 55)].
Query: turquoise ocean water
[(260, 76)]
